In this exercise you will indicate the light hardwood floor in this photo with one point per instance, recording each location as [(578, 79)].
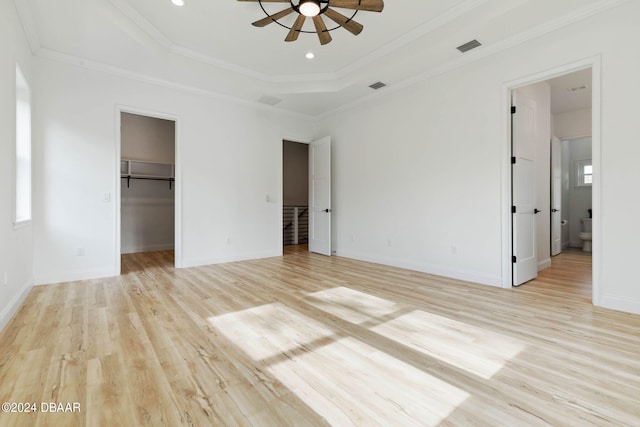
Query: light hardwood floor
[(310, 340)]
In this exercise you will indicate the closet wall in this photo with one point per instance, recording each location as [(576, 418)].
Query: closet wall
[(147, 206)]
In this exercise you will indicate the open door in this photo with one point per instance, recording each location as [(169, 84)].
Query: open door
[(320, 196), (556, 196), (523, 178)]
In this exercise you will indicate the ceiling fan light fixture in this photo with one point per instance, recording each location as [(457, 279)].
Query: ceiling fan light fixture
[(309, 8), (178, 2)]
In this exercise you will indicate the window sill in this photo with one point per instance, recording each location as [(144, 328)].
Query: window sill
[(22, 224)]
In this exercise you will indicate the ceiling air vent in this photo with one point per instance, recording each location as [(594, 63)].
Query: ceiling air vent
[(377, 85), (269, 100), (469, 45)]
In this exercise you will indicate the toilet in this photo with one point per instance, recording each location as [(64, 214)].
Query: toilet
[(585, 234)]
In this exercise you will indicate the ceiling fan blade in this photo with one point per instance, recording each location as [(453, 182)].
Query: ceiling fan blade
[(272, 18), (268, 1), (295, 30), (321, 29), (368, 5), (353, 27)]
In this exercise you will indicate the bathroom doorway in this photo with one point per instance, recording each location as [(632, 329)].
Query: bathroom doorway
[(566, 97), (577, 197), (571, 159)]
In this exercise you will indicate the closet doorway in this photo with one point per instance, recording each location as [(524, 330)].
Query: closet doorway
[(147, 202), (295, 194)]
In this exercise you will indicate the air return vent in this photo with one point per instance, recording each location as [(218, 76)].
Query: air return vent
[(377, 85), (469, 45), (269, 100)]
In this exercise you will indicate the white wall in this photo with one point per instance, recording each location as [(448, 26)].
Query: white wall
[(147, 207), (540, 93), (573, 124), (147, 138), (16, 259), (226, 170), (147, 216), (419, 169), (295, 173), (579, 198)]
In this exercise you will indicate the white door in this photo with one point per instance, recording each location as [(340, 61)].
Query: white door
[(556, 196), (523, 170), (320, 196)]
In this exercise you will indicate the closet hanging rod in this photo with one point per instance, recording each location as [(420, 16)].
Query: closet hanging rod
[(129, 178)]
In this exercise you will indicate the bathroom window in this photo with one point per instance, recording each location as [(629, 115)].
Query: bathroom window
[(584, 173)]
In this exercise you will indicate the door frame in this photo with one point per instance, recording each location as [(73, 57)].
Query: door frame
[(595, 63), (177, 183)]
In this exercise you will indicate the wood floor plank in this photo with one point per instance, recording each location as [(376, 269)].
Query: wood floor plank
[(310, 340)]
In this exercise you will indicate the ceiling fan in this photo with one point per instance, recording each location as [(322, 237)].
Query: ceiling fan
[(314, 9)]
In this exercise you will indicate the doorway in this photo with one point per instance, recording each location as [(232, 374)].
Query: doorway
[(295, 193), (147, 200), (573, 109), (312, 191)]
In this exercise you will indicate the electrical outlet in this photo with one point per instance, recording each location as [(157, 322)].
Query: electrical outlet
[(80, 252), (106, 197), (454, 250)]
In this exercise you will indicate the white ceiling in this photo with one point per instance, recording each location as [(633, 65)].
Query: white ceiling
[(211, 47), (571, 92)]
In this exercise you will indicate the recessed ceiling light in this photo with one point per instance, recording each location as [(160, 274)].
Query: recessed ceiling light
[(178, 2), (310, 55)]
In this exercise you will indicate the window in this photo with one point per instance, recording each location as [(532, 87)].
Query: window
[(584, 173), (23, 150)]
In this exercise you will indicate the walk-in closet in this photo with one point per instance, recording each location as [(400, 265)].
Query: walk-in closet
[(147, 173)]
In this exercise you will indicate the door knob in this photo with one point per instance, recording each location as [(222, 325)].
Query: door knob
[(327, 210), (555, 210), (535, 211)]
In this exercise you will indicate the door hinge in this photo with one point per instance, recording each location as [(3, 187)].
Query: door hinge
[(513, 160), (513, 109), (513, 209), (513, 259)]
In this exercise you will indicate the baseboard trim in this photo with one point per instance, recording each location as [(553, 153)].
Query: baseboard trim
[(148, 248), (620, 304), (435, 270), (196, 262), (546, 263), (12, 308), (72, 276)]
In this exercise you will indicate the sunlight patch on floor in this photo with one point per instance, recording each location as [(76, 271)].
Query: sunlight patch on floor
[(349, 382), (351, 305), (459, 344), (269, 330)]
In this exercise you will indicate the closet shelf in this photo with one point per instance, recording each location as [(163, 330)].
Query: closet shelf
[(139, 169)]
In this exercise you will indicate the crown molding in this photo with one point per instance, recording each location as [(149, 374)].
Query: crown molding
[(148, 28), (29, 28), (412, 35), (483, 52), (28, 24), (53, 55)]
